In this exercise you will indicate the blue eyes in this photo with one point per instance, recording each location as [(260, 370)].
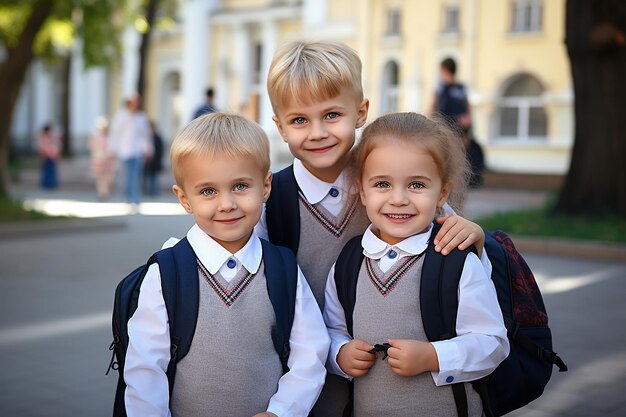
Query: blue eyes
[(210, 192), (303, 120), (412, 186)]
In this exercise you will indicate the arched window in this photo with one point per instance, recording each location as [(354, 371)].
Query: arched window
[(521, 114), (389, 85)]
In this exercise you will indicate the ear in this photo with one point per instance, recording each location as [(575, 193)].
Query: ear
[(359, 185), (267, 186), (279, 126), (445, 193), (362, 112), (182, 198)]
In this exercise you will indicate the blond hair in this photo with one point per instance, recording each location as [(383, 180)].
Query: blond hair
[(303, 70), (433, 135), (230, 135)]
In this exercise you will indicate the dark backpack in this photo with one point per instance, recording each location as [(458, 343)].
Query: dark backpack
[(522, 376), (179, 281), (452, 100), (282, 210)]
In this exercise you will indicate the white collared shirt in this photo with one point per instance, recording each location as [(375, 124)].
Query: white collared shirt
[(315, 191), (481, 342), (148, 354)]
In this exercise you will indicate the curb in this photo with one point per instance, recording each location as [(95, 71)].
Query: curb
[(604, 251), (45, 227)]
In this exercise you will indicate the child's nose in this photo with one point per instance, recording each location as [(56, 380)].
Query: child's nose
[(227, 202), (318, 131), (398, 197)]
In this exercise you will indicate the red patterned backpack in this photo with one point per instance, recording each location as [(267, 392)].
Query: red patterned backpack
[(523, 375)]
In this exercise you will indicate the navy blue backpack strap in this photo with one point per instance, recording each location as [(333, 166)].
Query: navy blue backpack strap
[(179, 282), (439, 301), (282, 210), (346, 275), (281, 275)]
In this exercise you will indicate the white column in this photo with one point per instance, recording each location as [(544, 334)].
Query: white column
[(130, 62), (88, 98), (265, 107), (269, 42), (313, 15), (197, 50), (243, 64)]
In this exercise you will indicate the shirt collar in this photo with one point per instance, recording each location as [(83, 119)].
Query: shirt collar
[(313, 188), (375, 248), (213, 255)]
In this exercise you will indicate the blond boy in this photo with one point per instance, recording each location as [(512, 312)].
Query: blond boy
[(221, 166)]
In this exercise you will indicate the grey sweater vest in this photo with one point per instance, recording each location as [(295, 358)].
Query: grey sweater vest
[(322, 236), (397, 315), (232, 368)]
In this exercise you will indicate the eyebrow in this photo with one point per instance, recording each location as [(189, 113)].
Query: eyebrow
[(336, 108), (386, 178)]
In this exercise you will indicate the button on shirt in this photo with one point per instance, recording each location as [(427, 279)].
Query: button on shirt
[(315, 191), (148, 354), (481, 343)]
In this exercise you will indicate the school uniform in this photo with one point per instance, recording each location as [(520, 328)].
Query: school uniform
[(232, 367), (330, 214), (387, 293)]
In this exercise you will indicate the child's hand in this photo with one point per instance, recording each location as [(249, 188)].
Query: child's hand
[(411, 357), (458, 232), (354, 358), (265, 414)]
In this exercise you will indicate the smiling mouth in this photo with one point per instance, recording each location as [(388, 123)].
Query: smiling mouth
[(321, 150), (229, 221), (398, 217)]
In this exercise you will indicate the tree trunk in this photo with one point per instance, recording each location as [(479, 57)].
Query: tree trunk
[(151, 9), (596, 44), (12, 74), (66, 71)]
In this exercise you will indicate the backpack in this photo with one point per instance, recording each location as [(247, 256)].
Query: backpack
[(452, 100), (282, 210), (179, 281), (522, 376)]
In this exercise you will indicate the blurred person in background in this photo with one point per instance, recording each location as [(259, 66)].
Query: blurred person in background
[(208, 106), (49, 148), (131, 140), (102, 166), (155, 164)]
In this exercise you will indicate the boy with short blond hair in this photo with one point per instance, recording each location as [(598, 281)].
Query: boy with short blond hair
[(233, 367), (317, 97)]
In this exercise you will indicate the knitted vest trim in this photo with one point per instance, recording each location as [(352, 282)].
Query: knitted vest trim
[(227, 296), (334, 228), (384, 286)]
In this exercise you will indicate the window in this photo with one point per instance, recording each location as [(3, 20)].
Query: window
[(521, 114), (451, 18), (390, 88), (393, 21), (526, 16)]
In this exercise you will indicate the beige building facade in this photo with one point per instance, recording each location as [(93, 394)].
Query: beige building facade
[(510, 54)]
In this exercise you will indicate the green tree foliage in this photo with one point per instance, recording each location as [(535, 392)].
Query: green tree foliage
[(48, 28)]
